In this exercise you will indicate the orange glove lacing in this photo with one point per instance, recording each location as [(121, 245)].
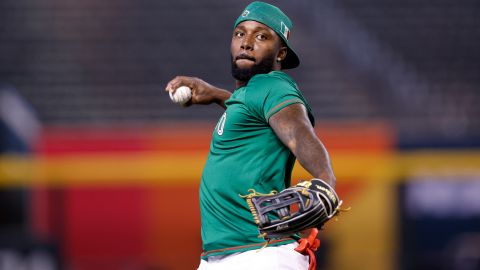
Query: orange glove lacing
[(307, 246)]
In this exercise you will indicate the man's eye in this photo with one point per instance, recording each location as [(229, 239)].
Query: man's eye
[(239, 34), (261, 37)]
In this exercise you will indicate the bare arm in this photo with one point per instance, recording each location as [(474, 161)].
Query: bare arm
[(293, 128), (202, 92)]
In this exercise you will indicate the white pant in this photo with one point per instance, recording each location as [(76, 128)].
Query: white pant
[(282, 257)]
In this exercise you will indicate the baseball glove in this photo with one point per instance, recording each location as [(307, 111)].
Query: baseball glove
[(309, 204)]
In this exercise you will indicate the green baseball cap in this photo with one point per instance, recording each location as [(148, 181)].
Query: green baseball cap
[(275, 19)]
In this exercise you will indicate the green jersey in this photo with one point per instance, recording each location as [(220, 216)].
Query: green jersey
[(245, 153)]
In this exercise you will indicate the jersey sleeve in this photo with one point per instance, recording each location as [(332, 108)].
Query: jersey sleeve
[(268, 96)]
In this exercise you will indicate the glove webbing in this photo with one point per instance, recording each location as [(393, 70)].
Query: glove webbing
[(249, 197)]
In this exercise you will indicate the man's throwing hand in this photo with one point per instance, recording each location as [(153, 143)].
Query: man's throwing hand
[(202, 92)]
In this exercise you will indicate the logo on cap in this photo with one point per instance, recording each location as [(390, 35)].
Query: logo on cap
[(285, 31), (245, 13)]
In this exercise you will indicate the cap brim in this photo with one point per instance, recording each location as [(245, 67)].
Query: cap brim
[(291, 61)]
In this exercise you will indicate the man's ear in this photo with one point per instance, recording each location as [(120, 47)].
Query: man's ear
[(282, 53)]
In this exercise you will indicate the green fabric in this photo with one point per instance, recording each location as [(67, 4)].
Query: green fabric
[(275, 19), (245, 153)]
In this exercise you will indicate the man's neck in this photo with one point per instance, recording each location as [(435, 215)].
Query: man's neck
[(239, 84)]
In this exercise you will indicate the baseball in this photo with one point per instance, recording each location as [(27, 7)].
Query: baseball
[(182, 95)]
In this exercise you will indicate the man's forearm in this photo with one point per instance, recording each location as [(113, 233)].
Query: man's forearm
[(293, 127), (313, 156)]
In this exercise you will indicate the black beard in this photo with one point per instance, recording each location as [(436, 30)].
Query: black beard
[(244, 75)]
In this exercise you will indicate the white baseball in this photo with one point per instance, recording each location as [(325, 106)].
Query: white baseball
[(182, 95)]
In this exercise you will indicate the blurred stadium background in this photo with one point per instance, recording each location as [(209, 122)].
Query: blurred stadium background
[(99, 170)]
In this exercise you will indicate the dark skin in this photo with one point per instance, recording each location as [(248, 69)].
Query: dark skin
[(252, 42)]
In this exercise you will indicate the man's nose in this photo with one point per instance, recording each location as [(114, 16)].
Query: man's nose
[(247, 43)]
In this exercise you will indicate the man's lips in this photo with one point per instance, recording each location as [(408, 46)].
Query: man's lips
[(245, 57)]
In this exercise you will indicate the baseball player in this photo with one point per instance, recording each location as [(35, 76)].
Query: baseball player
[(267, 125)]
